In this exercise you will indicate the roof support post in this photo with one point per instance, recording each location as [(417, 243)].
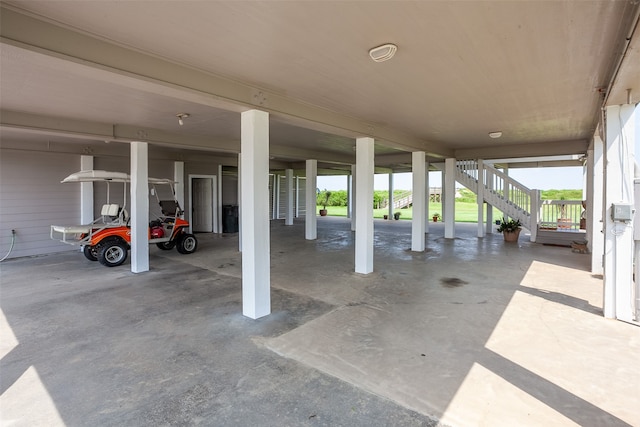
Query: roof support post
[(310, 220), (418, 163), (480, 198), (288, 218), (448, 205), (139, 207), (428, 198), (619, 189), (391, 199), (86, 192), (595, 206), (178, 186), (254, 174), (364, 205), (349, 192), (354, 181)]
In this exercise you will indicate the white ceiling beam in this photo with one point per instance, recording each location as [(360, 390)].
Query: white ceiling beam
[(555, 148), (117, 64)]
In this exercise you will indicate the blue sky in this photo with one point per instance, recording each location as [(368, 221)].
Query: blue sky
[(568, 178)]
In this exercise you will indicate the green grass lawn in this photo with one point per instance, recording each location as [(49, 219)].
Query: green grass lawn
[(465, 212)]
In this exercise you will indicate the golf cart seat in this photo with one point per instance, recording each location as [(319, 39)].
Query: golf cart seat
[(170, 208), (113, 213)]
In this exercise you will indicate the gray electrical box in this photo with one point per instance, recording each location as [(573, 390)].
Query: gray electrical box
[(622, 212)]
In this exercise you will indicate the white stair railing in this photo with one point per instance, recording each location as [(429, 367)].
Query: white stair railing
[(500, 190)]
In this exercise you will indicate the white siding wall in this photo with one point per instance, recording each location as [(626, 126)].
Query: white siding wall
[(32, 199)]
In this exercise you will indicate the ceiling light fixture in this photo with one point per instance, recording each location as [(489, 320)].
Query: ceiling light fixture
[(496, 134), (383, 53), (181, 117)]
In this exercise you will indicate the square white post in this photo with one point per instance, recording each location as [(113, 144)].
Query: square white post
[(480, 198), (218, 201), (86, 192), (489, 227), (354, 213), (619, 181), (254, 179), (349, 196), (288, 219), (596, 213), (310, 220), (418, 163), (449, 192), (391, 198), (428, 196), (178, 177), (364, 205), (139, 207), (535, 214), (240, 202)]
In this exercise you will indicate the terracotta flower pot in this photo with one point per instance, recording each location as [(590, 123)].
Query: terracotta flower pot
[(511, 236), (323, 212)]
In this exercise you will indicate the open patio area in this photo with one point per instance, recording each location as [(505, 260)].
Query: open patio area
[(471, 332)]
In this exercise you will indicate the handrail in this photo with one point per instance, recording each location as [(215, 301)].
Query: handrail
[(510, 196)]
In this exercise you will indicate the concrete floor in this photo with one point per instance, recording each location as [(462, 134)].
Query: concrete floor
[(470, 332)]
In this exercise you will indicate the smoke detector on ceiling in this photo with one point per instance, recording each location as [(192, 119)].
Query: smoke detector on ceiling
[(383, 53)]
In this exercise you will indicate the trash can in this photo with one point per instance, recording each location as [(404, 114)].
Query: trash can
[(229, 219)]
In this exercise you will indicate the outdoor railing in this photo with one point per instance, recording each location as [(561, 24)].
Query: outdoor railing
[(561, 215)]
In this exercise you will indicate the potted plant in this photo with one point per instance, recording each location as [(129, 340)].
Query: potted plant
[(396, 215), (323, 211), (510, 229), (436, 217), (385, 216)]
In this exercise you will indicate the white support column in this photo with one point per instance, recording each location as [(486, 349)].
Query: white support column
[(139, 207), (480, 198), (288, 218), (354, 182), (596, 220), (218, 202), (489, 227), (364, 205), (449, 192), (619, 188), (443, 195), (86, 192), (507, 190), (178, 178), (275, 197), (391, 198), (428, 198), (489, 223), (349, 203), (535, 214), (588, 195), (418, 164), (254, 178), (240, 201), (311, 221)]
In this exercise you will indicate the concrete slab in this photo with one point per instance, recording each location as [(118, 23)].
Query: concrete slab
[(470, 332)]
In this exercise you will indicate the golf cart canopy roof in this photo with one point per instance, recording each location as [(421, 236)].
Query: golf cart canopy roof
[(107, 176)]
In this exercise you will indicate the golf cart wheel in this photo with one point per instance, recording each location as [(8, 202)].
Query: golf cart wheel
[(90, 252), (166, 246), (113, 252), (187, 244)]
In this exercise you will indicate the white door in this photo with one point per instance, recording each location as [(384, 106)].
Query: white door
[(202, 219)]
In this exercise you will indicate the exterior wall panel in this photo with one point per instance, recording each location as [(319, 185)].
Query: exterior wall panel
[(32, 198)]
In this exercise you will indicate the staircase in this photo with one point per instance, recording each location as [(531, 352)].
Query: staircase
[(403, 200), (499, 190)]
